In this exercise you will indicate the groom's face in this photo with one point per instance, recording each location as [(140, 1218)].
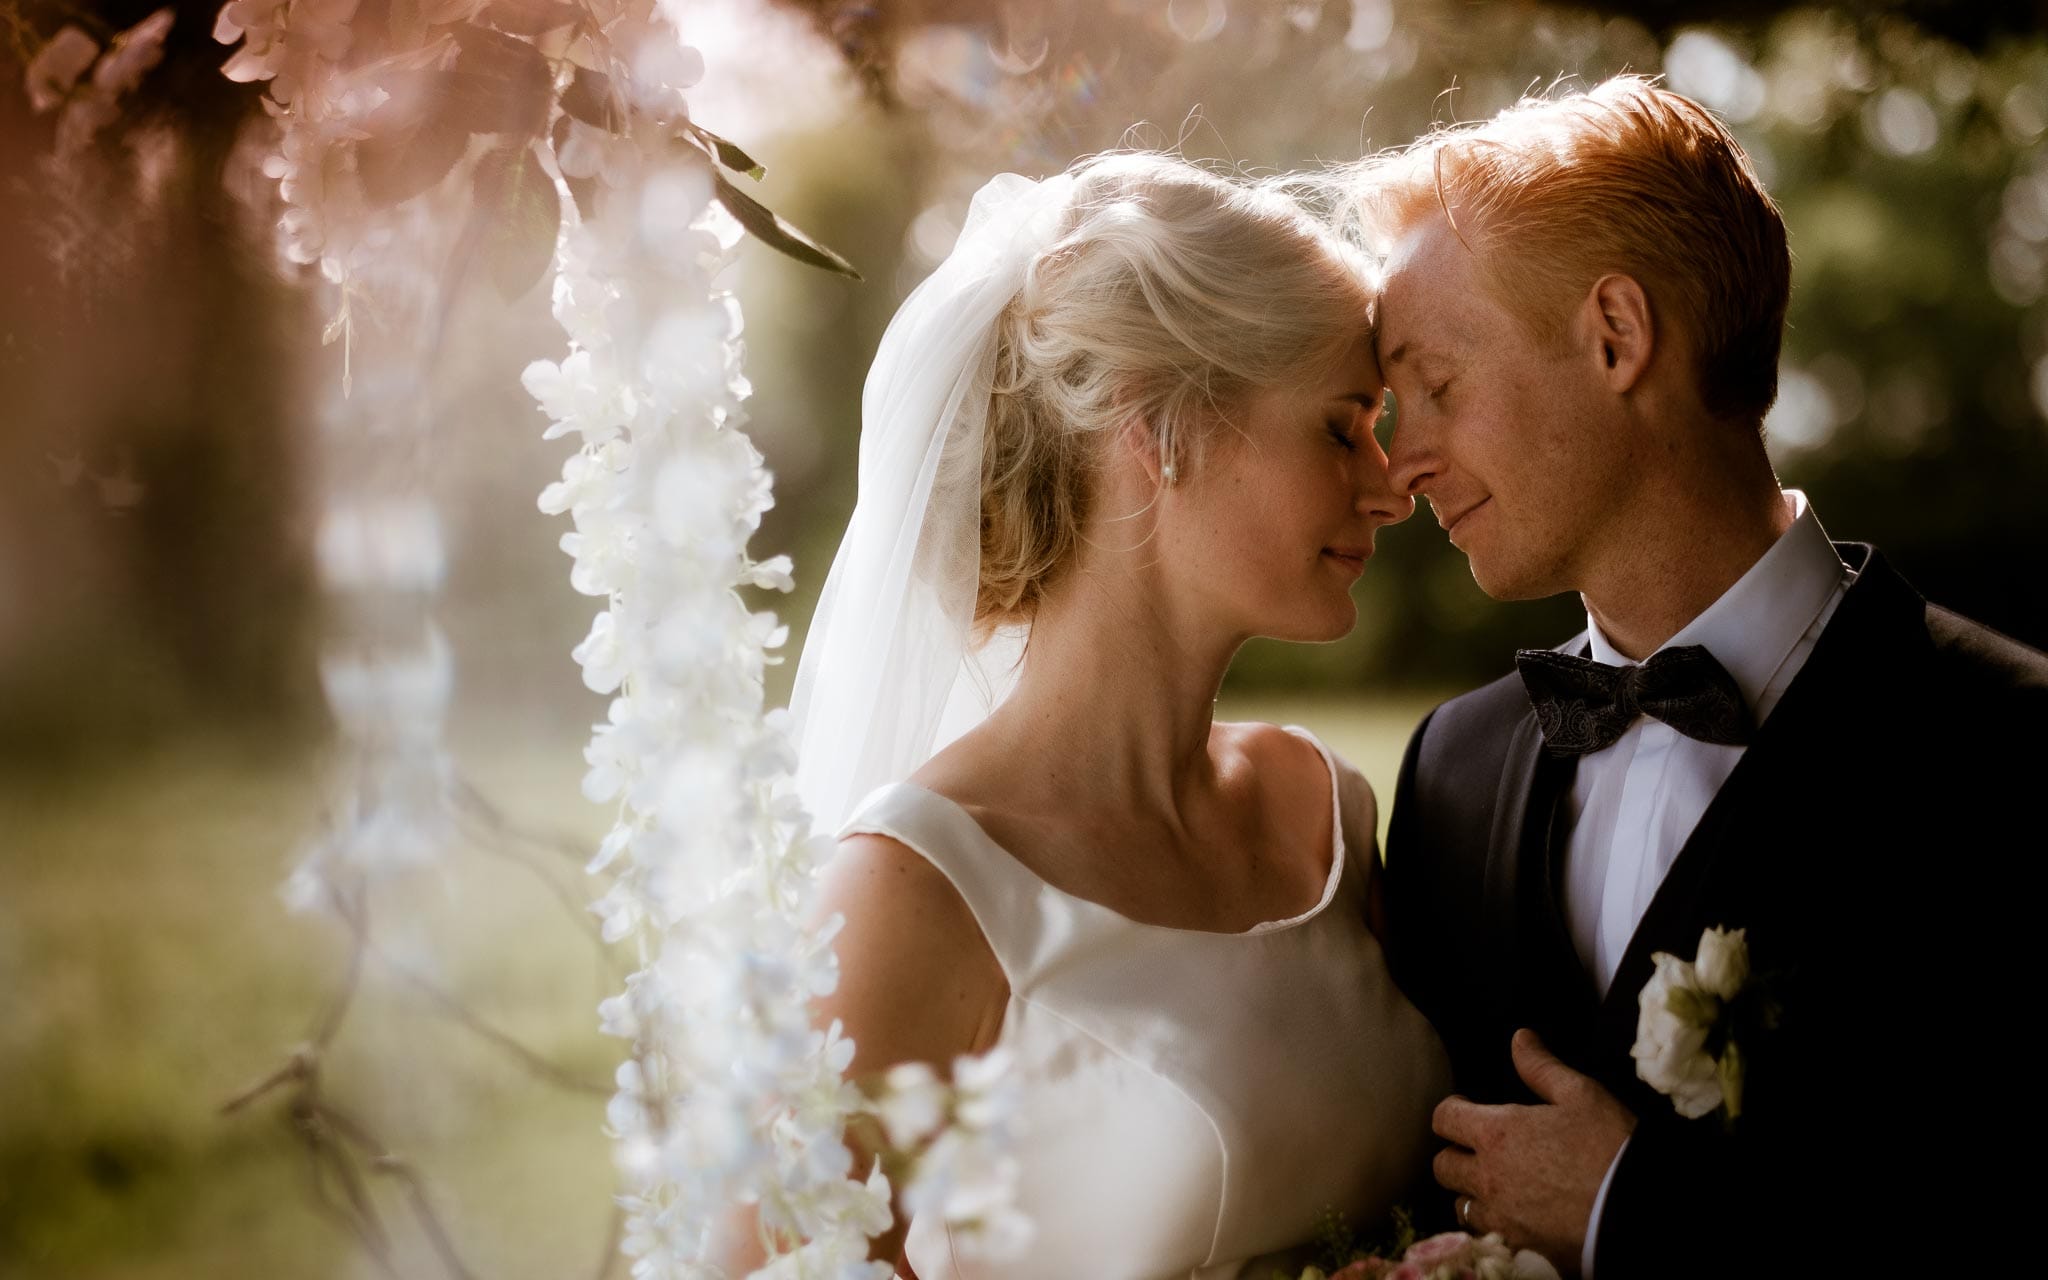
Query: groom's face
[(1507, 436)]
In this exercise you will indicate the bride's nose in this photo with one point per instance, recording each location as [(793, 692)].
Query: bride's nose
[(1378, 496)]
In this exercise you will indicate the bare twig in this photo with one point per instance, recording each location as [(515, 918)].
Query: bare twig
[(296, 1068), (416, 1194), (325, 1203), (476, 803), (500, 837), (382, 1160), (344, 997), (309, 1119), (608, 1259), (334, 1140), (460, 1013)]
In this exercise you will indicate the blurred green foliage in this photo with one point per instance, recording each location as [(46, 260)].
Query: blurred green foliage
[(1916, 388), (1904, 141)]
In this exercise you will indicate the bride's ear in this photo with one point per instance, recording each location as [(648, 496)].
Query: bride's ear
[(1622, 332), (1140, 444)]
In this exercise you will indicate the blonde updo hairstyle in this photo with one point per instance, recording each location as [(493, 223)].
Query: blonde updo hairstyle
[(1170, 296)]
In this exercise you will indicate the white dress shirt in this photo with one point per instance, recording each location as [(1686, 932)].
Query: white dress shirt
[(1634, 803)]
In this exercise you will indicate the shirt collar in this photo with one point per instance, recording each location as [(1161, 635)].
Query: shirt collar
[(1757, 622)]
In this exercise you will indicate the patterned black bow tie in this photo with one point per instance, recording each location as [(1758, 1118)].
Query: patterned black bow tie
[(1583, 706)]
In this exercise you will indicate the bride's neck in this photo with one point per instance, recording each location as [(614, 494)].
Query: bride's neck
[(1117, 696)]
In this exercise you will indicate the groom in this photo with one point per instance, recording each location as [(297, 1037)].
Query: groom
[(1760, 729)]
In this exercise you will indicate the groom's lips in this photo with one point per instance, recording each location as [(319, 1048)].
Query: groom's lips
[(1451, 525)]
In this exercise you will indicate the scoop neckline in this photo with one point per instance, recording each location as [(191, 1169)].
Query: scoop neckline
[(1339, 849)]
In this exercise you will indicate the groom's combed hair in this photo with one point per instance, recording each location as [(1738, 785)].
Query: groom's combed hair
[(1627, 177)]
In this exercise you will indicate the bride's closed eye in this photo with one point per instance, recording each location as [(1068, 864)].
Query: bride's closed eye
[(1383, 420)]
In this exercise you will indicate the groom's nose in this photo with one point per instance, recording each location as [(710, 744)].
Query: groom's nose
[(1413, 460)]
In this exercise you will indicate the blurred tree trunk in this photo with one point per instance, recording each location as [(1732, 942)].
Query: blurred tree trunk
[(152, 556)]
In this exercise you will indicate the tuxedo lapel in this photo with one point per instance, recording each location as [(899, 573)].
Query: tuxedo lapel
[(1506, 848), (1551, 991), (1827, 705)]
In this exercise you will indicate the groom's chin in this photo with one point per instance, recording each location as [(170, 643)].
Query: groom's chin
[(1509, 583)]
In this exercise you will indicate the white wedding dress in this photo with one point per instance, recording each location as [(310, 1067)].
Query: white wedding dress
[(1191, 1100)]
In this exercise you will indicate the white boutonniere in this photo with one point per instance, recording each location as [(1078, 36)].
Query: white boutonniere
[(1696, 1016)]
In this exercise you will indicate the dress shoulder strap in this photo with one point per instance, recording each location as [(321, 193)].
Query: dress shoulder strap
[(1357, 811), (1023, 920)]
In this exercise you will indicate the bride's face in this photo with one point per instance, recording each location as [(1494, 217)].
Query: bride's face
[(1277, 523)]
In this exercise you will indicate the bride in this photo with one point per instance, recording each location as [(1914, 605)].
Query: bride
[(1124, 428)]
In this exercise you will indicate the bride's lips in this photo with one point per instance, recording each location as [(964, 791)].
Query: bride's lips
[(1353, 558)]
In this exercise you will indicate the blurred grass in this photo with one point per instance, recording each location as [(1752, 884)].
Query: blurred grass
[(1371, 733), (149, 971)]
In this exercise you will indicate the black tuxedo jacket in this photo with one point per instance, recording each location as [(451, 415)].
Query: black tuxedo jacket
[(1879, 841)]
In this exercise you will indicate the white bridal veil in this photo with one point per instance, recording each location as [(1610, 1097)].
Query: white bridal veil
[(888, 675)]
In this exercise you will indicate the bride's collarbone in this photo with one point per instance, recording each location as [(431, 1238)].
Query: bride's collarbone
[(1244, 874), (1260, 851)]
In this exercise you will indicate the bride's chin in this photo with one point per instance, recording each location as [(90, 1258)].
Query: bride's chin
[(1332, 625)]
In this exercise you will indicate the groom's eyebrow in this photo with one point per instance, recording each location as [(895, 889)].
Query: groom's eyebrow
[(1416, 347)]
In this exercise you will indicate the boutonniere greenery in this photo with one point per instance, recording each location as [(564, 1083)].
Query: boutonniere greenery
[(1698, 1023)]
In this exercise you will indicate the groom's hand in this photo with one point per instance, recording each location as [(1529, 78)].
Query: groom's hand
[(1532, 1172)]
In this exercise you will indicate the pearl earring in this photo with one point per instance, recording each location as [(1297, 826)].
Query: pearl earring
[(1168, 473)]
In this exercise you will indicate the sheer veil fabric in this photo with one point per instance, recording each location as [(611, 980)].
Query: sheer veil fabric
[(888, 674)]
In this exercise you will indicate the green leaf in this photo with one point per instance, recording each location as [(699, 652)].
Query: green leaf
[(582, 191), (501, 84), (1696, 1008), (729, 153), (521, 214), (1731, 1069), (407, 24), (531, 17), (411, 141), (589, 98), (775, 231)]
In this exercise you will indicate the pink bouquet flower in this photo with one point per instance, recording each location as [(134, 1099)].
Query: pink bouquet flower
[(1454, 1255)]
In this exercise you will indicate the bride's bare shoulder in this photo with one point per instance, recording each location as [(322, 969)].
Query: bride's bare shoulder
[(1293, 773), (1281, 762), (918, 979)]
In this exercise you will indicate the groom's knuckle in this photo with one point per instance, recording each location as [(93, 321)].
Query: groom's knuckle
[(1445, 1117), (1492, 1128)]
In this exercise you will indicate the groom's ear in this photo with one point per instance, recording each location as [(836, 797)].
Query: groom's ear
[(1617, 312)]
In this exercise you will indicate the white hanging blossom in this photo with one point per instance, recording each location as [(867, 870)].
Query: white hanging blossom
[(387, 670), (713, 860), (966, 1175), (94, 224), (297, 46), (732, 1096), (70, 72)]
